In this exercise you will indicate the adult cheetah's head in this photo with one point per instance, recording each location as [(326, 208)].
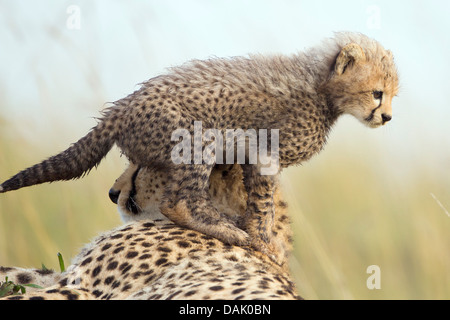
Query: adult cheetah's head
[(137, 193)]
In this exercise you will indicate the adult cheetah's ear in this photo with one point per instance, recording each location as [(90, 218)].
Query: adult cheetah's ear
[(350, 54)]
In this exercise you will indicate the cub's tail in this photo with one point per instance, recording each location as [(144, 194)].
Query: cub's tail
[(72, 163)]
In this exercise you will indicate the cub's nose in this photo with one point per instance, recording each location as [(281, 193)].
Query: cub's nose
[(114, 195), (386, 117)]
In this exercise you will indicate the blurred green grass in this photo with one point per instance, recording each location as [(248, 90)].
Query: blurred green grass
[(348, 212)]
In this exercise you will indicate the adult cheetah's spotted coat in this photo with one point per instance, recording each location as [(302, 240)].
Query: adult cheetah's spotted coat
[(159, 260)]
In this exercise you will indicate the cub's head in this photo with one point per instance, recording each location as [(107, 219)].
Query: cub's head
[(363, 80)]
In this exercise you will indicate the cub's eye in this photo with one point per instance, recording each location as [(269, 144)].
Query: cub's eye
[(377, 95)]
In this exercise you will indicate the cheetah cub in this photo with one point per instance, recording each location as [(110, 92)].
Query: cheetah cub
[(300, 96)]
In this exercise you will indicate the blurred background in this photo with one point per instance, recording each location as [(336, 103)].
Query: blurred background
[(372, 197)]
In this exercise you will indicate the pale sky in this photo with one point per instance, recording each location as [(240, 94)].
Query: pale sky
[(57, 65)]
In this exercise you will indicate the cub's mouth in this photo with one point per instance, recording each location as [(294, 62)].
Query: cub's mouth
[(372, 123)]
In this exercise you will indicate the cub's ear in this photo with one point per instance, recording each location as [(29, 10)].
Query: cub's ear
[(349, 55), (388, 55)]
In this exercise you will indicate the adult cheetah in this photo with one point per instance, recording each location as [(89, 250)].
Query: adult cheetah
[(152, 258)]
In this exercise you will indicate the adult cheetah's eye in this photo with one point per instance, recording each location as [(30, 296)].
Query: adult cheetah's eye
[(377, 95)]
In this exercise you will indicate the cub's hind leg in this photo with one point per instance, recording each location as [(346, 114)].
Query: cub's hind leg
[(187, 202), (260, 213)]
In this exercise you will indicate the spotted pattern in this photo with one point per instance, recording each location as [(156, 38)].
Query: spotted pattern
[(159, 260)]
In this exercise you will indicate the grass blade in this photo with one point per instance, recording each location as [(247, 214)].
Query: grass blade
[(61, 262)]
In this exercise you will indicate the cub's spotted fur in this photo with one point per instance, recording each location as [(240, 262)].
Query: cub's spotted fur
[(301, 95)]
